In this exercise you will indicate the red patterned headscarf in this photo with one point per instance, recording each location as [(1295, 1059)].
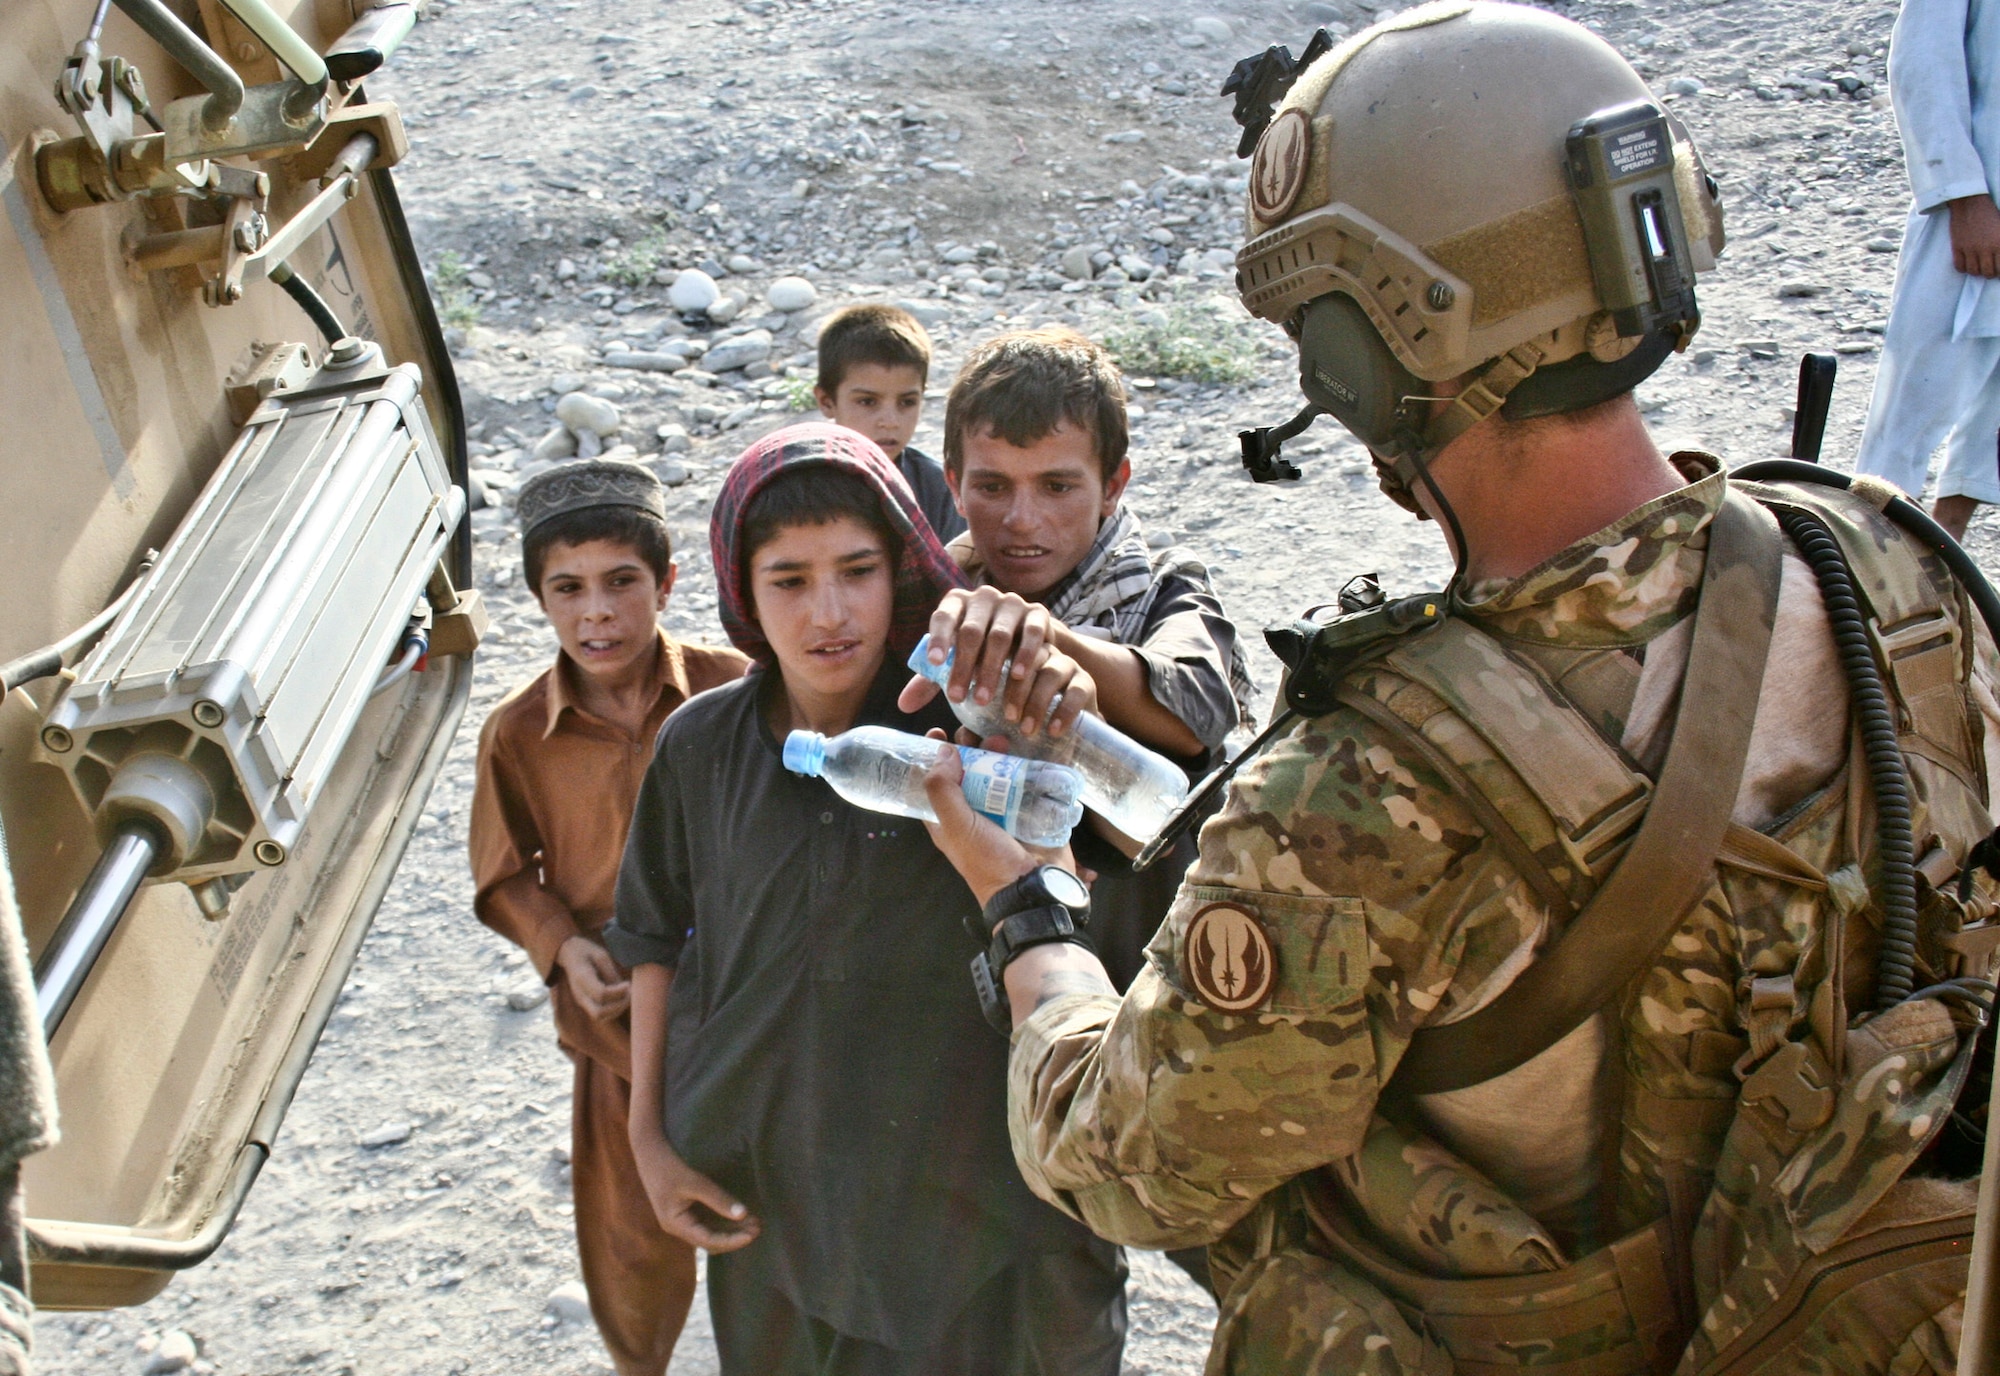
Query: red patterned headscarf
[(924, 572)]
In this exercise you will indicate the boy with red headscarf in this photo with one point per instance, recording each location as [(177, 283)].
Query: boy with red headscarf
[(816, 1098)]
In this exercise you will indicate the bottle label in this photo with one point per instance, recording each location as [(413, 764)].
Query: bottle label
[(993, 784)]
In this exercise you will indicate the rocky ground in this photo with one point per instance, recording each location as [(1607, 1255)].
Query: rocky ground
[(988, 165)]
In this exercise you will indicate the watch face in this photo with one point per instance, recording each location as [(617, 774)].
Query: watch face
[(1064, 887)]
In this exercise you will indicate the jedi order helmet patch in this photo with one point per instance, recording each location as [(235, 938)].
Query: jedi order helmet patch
[(1279, 169), (1227, 958)]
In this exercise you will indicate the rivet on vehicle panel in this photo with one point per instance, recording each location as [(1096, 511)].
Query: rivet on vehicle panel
[(1440, 296), (270, 853), (57, 739), (208, 713)]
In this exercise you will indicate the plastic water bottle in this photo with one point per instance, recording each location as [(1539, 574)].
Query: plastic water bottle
[(883, 771), (1129, 786)]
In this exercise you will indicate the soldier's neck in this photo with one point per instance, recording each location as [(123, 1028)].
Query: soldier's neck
[(1525, 491)]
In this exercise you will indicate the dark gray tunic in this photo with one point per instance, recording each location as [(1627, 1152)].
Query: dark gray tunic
[(925, 476), (826, 1061)]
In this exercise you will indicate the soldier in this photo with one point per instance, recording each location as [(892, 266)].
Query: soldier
[(1544, 995)]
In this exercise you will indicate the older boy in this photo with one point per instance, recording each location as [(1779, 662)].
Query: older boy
[(816, 1099), (1035, 441), (874, 362), (560, 761)]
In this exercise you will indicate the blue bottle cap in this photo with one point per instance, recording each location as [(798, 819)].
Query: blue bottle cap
[(805, 753), (920, 662)]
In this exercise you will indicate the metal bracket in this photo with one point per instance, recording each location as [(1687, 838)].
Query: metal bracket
[(260, 126)]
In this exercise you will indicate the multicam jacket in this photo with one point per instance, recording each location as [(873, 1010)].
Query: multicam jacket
[(1376, 903)]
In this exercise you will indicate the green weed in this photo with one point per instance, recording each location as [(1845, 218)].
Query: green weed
[(1197, 341), (453, 293)]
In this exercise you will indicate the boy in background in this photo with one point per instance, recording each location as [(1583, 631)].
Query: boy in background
[(560, 763), (874, 362)]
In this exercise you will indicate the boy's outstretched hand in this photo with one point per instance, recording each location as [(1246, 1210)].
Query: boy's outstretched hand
[(594, 978), (687, 1203), (984, 629)]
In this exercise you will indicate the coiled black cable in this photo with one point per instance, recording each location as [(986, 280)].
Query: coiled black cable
[(1873, 717)]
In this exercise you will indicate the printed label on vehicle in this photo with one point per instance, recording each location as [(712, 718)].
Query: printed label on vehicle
[(993, 784)]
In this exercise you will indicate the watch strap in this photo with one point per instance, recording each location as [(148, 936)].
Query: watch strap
[(1016, 933)]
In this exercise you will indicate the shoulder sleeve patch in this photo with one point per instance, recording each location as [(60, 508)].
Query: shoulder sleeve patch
[(1227, 958)]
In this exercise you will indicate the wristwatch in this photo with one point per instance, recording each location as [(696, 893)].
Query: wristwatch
[(1045, 904)]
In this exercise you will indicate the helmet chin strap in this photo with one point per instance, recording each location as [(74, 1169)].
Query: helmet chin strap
[(1486, 394)]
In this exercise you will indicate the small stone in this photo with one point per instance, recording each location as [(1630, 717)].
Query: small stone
[(1685, 86), (1126, 136), (589, 445), (673, 472), (1793, 291), (1883, 244), (583, 412), (646, 361), (742, 263), (1759, 348), (176, 1352), (926, 313), (528, 996), (1191, 40), (570, 1302), (753, 346), (388, 1135), (790, 294), (740, 415), (1075, 264), (693, 291), (724, 310), (1135, 267), (962, 253), (555, 446), (1161, 235), (1159, 539), (1856, 346), (565, 269), (673, 438)]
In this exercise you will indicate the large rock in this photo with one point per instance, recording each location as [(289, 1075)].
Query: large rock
[(1076, 264), (646, 361), (790, 294), (582, 412), (1213, 29), (558, 444), (754, 346), (693, 291)]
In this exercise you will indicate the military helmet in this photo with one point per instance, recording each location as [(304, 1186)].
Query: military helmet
[(1473, 188)]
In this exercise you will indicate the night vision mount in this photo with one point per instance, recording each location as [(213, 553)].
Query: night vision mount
[(1260, 82)]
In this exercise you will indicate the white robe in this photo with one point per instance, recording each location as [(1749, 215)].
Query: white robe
[(1940, 372)]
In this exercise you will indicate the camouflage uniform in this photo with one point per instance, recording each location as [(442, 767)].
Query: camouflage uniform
[(1163, 1123)]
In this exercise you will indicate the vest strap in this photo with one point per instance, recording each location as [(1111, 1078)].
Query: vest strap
[(1670, 864)]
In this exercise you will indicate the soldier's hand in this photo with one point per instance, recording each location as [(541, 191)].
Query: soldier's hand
[(986, 857), (1975, 236), (594, 978), (984, 628), (687, 1203)]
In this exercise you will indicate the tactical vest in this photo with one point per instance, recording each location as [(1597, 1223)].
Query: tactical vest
[(1767, 1215)]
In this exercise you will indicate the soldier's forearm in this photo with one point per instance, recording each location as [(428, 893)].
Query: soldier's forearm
[(1042, 973)]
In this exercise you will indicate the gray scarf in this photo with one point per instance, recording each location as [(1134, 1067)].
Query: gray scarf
[(1115, 585)]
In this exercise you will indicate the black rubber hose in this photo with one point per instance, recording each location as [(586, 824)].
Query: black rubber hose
[(1873, 717), (311, 302)]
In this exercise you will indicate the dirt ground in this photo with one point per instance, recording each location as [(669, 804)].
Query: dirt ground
[(989, 163)]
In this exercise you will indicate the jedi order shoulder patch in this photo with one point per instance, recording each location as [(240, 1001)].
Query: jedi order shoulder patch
[(1227, 958)]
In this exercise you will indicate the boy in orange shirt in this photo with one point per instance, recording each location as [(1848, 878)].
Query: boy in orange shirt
[(560, 763)]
